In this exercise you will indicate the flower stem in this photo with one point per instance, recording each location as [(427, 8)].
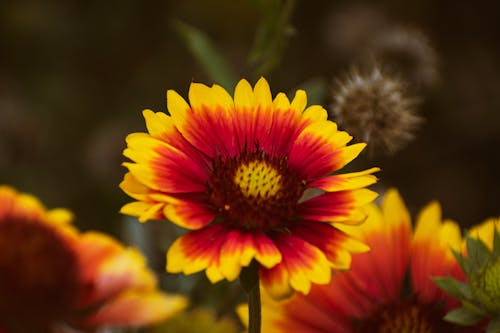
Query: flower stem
[(250, 282), (254, 314)]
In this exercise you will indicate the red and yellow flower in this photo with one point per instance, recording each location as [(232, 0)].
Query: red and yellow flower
[(240, 173), (55, 278), (388, 289)]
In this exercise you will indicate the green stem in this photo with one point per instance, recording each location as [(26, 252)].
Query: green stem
[(254, 313), (250, 282)]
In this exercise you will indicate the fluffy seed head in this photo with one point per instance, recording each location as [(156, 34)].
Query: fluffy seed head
[(375, 108)]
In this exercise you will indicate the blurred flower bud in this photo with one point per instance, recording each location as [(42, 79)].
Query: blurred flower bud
[(480, 295), (375, 109), (20, 136), (348, 30), (102, 157), (406, 52)]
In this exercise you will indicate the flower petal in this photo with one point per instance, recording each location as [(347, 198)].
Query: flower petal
[(21, 205), (320, 149), (299, 102), (198, 250), (162, 127), (190, 214), (281, 102), (241, 247), (148, 206), (346, 181), (177, 107), (387, 231), (207, 123), (335, 244), (431, 253), (137, 308), (279, 138), (253, 117), (243, 96), (163, 167), (159, 125), (210, 126), (222, 250), (144, 210), (315, 113), (215, 97), (485, 231), (337, 206), (262, 93), (109, 268), (134, 188), (269, 125), (302, 264), (93, 249), (275, 281), (312, 313)]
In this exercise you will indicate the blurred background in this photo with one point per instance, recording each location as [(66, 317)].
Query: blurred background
[(75, 76)]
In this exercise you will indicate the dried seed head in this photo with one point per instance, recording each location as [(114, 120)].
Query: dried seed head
[(375, 109), (408, 53), (347, 30)]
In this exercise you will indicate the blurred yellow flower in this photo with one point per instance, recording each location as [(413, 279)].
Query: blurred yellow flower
[(198, 321), (55, 278)]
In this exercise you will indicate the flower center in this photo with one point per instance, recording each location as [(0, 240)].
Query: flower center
[(410, 320), (255, 191), (486, 287), (39, 279), (407, 316), (257, 179)]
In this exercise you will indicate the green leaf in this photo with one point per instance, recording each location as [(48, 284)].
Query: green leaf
[(463, 317), (473, 308), (453, 287), (202, 48), (272, 34), (463, 262), (496, 243), (494, 325), (478, 252)]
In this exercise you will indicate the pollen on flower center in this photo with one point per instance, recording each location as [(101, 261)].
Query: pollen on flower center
[(258, 179), (407, 316), (254, 190), (410, 320)]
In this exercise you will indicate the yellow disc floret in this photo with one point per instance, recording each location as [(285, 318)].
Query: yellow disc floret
[(258, 179), (410, 320), (253, 190)]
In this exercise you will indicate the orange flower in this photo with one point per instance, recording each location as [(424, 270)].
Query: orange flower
[(252, 178), (373, 295), (54, 277)]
